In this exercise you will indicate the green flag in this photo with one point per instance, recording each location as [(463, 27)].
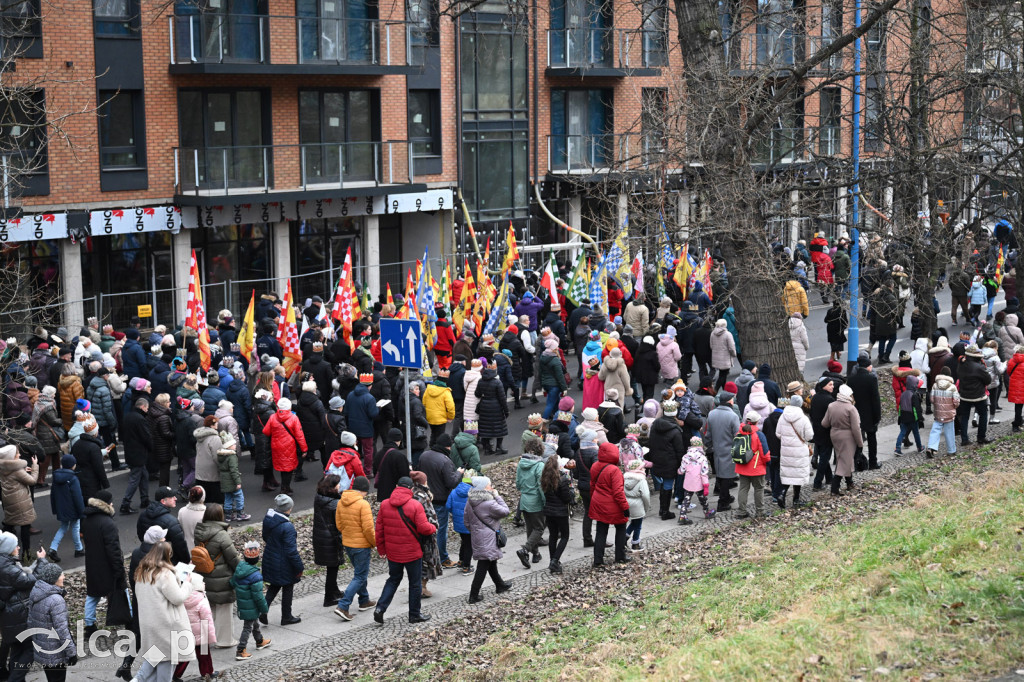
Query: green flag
[(579, 283)]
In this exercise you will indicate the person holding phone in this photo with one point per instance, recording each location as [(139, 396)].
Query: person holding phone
[(88, 451)]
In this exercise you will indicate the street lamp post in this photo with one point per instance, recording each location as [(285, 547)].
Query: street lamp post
[(853, 341)]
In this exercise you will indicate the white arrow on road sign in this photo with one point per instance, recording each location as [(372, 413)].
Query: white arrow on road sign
[(411, 338), (392, 349)]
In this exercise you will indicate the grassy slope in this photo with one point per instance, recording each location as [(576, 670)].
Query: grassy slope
[(933, 587)]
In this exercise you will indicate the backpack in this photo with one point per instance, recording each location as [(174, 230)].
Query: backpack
[(342, 473), (201, 559), (742, 449)]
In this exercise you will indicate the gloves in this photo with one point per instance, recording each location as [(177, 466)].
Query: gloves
[(706, 490), (626, 513)]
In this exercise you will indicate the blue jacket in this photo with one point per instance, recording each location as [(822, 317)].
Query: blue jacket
[(977, 294), (158, 377), (457, 507), (98, 394), (455, 381), (66, 501), (281, 561), (133, 359), (239, 396), (360, 410), (225, 378), (211, 399)]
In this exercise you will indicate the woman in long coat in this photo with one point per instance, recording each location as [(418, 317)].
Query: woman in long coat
[(492, 410), (213, 534), (431, 553), (798, 337), (16, 480), (484, 511), (162, 613), (470, 381), (794, 432), (843, 420)]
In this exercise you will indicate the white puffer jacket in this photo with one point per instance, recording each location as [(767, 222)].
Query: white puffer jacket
[(794, 459)]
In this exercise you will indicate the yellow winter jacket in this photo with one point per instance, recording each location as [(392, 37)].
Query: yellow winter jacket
[(439, 405), (354, 519), (794, 298)]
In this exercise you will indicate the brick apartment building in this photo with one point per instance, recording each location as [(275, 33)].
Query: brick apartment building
[(272, 135)]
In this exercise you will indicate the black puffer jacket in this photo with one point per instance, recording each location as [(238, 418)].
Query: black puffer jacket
[(666, 447), (185, 424), (15, 588), (646, 366), (556, 504), (262, 411), (492, 408), (323, 375), (313, 419), (327, 549), (511, 342), (864, 384), (158, 515), (136, 436), (162, 429), (974, 379), (88, 452)]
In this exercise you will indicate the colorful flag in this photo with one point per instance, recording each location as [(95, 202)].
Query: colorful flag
[(637, 270), (547, 280), (681, 275), (346, 301), (446, 287), (247, 333), (999, 266), (425, 303), (464, 309), (512, 254), (391, 299), (617, 262), (497, 319), (289, 332), (599, 286), (665, 257), (579, 282), (196, 317), (702, 273), (408, 311)]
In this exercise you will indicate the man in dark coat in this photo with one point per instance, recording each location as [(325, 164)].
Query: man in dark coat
[(391, 464), (136, 436), (282, 564), (864, 383), (360, 411), (15, 589), (88, 452), (456, 381), (104, 560), (160, 513), (885, 309), (687, 328), (442, 478), (267, 343), (666, 452), (823, 397), (583, 310), (380, 389), (133, 357)]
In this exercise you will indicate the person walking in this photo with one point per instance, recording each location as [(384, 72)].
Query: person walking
[(608, 503), (48, 613), (864, 383), (456, 505), (360, 410), (191, 515), (252, 604), (911, 416), (161, 593), (312, 421), (483, 514), (16, 480), (639, 497), (354, 519), (531, 500), (68, 506), (795, 434), (722, 424), (159, 513), (492, 408), (287, 444), (552, 376), (231, 479), (327, 540), (137, 438), (973, 381), (723, 352), (665, 447), (208, 444), (694, 469), (204, 628), (442, 478), (798, 338), (104, 562), (751, 472), (212, 534), (945, 402), (557, 496), (282, 564), (401, 523), (845, 432)]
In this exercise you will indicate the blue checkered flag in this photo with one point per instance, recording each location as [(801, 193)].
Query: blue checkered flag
[(499, 312), (599, 285)]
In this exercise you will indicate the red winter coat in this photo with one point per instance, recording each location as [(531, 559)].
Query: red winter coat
[(564, 313), (627, 357), (615, 298), (348, 458), (394, 539), (1015, 378), (285, 431), (607, 494)]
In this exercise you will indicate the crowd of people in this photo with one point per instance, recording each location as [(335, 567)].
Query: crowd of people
[(646, 431)]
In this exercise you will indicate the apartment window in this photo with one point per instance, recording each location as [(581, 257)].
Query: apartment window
[(875, 52), (493, 73), (20, 29), (338, 31), (831, 112), (496, 167), (120, 123), (873, 120), (339, 131), (581, 129), (223, 133), (653, 114), (424, 118), (23, 142), (580, 34), (655, 33), (779, 32), (116, 18), (423, 16)]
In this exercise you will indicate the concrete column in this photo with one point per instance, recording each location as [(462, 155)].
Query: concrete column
[(281, 254), (371, 254), (71, 274), (842, 215), (794, 222), (621, 214), (181, 256), (682, 225)]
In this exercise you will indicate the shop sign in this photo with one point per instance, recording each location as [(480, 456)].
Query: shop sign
[(34, 227), (135, 220)]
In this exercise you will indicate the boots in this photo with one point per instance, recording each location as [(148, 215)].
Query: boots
[(125, 671), (426, 594), (849, 482), (665, 500), (836, 481), (515, 394)]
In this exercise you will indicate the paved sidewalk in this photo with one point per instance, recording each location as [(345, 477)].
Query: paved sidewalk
[(322, 636)]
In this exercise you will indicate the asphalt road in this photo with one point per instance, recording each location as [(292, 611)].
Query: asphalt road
[(257, 502)]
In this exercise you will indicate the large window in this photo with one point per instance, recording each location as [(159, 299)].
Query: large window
[(318, 253), (423, 16), (339, 131), (338, 31), (831, 115), (424, 122), (780, 32), (875, 52), (653, 115), (235, 259), (222, 135), (116, 18), (20, 29), (129, 270), (23, 142), (121, 122), (873, 120), (655, 33), (581, 129), (580, 34), (493, 73), (495, 166)]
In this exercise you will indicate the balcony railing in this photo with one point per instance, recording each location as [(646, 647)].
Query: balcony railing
[(606, 152), (777, 51), (606, 48), (276, 168), (983, 59), (210, 38), (789, 145)]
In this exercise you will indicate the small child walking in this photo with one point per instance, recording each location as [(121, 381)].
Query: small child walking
[(199, 614), (638, 494), (248, 584), (694, 469), (67, 505), (231, 480), (911, 417), (456, 510)]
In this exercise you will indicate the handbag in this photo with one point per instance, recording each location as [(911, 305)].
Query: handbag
[(119, 607), (62, 438), (499, 536), (298, 448)]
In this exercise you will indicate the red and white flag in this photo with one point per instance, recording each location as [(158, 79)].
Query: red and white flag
[(196, 313), (288, 333), (346, 302), (547, 280), (638, 271)]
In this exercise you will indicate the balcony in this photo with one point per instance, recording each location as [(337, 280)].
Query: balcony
[(795, 145), (606, 52), (241, 44), (759, 52), (292, 172), (606, 153), (993, 60)]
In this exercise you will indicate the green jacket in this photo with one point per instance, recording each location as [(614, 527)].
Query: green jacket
[(248, 584), (531, 497), (842, 265), (225, 560), (465, 454), (227, 465), (552, 375)]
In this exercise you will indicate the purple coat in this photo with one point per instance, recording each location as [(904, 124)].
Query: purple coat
[(531, 308), (484, 511)]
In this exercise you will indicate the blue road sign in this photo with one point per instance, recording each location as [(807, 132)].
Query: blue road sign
[(401, 343)]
